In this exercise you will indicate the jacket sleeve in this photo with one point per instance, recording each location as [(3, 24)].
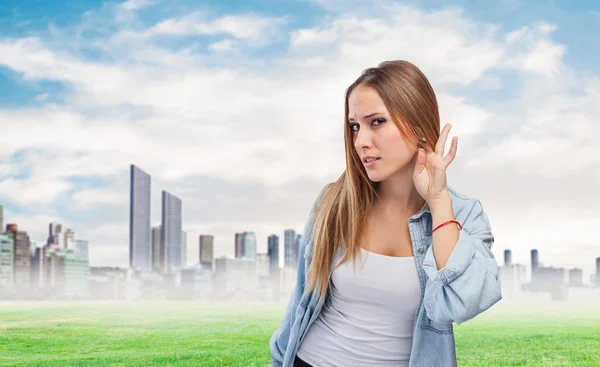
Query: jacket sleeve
[(469, 283), (279, 339)]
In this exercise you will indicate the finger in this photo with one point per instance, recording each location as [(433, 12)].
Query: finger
[(452, 152), (441, 143)]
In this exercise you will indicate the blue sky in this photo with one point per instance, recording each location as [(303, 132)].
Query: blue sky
[(223, 104)]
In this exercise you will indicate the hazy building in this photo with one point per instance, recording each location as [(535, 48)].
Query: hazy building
[(249, 241), (158, 260), (1, 218), (22, 257), (82, 247), (7, 261), (139, 219), (54, 233), (36, 268), (206, 252), (512, 279), (273, 252), (171, 230), (507, 257), (239, 245), (598, 272), (289, 239), (235, 276), (535, 261), (183, 249), (297, 245), (576, 277), (262, 265), (68, 273), (69, 239)]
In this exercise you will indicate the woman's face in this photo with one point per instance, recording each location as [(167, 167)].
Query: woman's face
[(375, 134)]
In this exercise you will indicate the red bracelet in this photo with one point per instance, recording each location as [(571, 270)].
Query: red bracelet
[(443, 224)]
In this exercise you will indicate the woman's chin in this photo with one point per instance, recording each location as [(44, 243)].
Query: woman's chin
[(373, 176)]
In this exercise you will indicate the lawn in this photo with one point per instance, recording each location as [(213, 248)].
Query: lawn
[(237, 334)]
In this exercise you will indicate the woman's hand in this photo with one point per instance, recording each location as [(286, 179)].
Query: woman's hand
[(429, 175)]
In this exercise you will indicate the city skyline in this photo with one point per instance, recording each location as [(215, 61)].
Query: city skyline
[(287, 250), (245, 123)]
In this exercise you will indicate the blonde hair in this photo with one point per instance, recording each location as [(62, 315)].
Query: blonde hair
[(341, 212)]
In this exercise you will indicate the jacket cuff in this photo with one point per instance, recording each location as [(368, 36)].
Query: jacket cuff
[(460, 258)]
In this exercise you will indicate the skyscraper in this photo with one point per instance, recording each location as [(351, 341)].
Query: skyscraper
[(171, 230), (598, 272), (54, 233), (535, 261), (273, 252), (239, 245), (139, 219), (21, 253), (69, 239), (158, 259), (249, 244), (183, 249), (1, 218), (289, 242), (297, 244), (7, 260), (507, 257), (207, 253)]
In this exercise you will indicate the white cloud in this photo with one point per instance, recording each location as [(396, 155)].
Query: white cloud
[(224, 45), (126, 11), (241, 26), (89, 198)]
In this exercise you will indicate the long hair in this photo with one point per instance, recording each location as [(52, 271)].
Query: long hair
[(340, 215)]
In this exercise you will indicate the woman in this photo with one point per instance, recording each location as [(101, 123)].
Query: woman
[(423, 248)]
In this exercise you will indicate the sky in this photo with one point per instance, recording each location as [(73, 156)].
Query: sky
[(237, 109)]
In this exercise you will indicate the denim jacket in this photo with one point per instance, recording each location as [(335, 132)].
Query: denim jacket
[(468, 285)]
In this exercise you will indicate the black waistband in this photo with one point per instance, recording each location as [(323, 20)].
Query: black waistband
[(300, 363)]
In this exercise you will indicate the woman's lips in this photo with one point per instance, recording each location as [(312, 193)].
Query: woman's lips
[(371, 163)]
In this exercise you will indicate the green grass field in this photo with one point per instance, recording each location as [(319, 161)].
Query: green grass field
[(230, 334)]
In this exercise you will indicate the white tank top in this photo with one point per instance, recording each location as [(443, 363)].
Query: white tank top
[(368, 319)]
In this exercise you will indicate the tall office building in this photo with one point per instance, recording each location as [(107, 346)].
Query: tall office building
[(7, 261), (22, 262), (249, 244), (207, 248), (183, 249), (507, 257), (139, 219), (171, 230), (289, 242), (54, 234), (535, 261), (273, 252), (36, 267), (158, 259), (1, 218), (239, 245), (297, 246), (598, 272), (69, 239)]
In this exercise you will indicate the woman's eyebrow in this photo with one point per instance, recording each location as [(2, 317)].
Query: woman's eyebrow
[(367, 116)]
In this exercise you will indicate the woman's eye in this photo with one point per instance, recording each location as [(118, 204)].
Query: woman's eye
[(354, 127)]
